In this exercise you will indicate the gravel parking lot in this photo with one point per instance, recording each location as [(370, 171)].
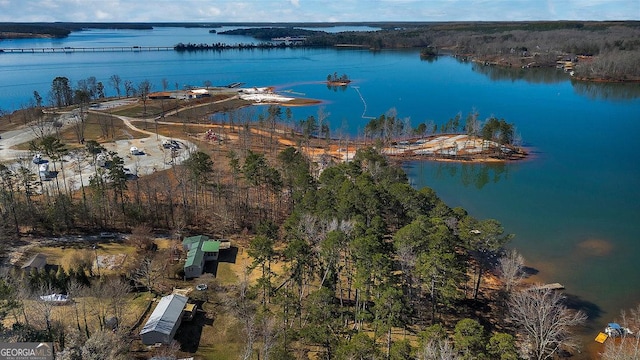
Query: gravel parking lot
[(152, 156)]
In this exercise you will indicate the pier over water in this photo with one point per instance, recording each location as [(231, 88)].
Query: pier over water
[(86, 49)]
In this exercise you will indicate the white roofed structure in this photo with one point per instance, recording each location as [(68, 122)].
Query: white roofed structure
[(164, 320)]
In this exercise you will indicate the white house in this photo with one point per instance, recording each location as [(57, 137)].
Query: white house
[(164, 320)]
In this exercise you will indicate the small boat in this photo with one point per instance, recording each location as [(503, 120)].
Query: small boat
[(615, 330)]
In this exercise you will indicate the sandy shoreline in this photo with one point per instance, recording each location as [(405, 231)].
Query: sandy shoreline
[(455, 148)]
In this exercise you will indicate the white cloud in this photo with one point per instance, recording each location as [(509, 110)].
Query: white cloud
[(101, 15), (210, 11), (315, 10)]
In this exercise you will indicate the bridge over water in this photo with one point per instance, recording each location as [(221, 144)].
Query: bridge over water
[(86, 49)]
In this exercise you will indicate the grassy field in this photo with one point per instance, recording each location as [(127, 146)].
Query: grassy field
[(75, 311), (187, 108), (69, 256), (99, 127), (221, 336), (102, 128)]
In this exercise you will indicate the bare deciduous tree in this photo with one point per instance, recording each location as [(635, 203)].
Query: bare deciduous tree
[(43, 125), (44, 308), (144, 89), (141, 238), (544, 321), (74, 290), (116, 291), (167, 351), (73, 346), (510, 269), (438, 349), (269, 331), (115, 80), (148, 272), (105, 345)]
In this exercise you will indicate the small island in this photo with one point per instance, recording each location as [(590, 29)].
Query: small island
[(335, 80), (460, 140)]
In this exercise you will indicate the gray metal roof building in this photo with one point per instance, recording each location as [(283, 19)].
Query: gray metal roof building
[(37, 261), (164, 320)]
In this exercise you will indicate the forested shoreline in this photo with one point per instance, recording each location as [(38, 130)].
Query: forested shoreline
[(602, 51)]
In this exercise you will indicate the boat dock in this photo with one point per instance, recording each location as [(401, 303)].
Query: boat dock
[(234, 85), (86, 49), (554, 286)]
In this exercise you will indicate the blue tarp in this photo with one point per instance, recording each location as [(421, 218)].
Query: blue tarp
[(615, 326)]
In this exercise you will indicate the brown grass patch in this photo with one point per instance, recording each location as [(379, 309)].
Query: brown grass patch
[(135, 305), (99, 127), (69, 256), (222, 339), (189, 109)]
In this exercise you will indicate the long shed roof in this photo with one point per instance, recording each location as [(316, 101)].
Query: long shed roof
[(36, 261), (166, 314)]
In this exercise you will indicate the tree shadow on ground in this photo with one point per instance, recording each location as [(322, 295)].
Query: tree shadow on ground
[(190, 332)]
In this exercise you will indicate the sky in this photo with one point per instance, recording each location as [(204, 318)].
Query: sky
[(314, 10)]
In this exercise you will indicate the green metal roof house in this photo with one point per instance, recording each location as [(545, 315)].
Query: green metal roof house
[(199, 250)]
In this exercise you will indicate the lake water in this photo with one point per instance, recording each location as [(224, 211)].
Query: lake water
[(574, 205)]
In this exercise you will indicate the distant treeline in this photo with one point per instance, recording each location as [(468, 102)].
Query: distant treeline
[(8, 31), (268, 33), (600, 50), (580, 38), (61, 29), (220, 46)]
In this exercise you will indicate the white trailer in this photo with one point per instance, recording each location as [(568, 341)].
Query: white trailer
[(43, 170)]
